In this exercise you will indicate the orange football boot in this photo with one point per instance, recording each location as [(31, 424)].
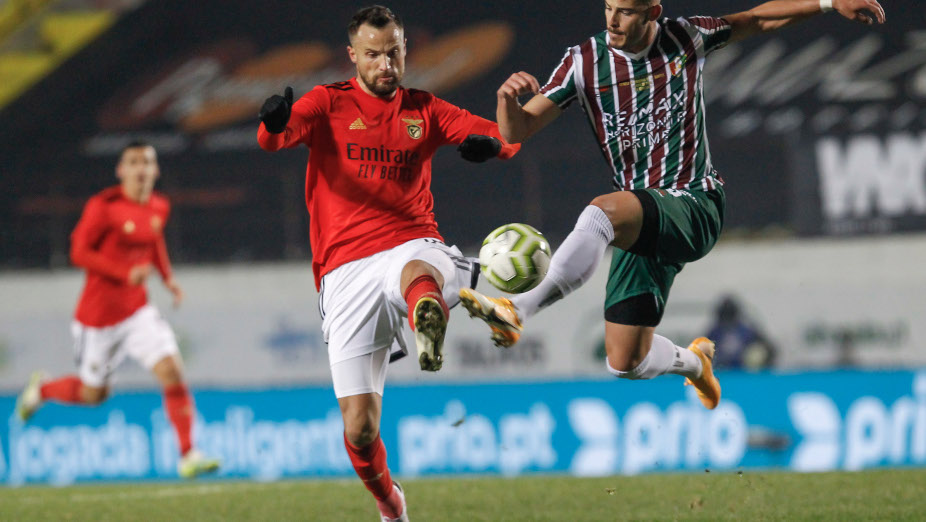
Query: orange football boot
[(707, 386), (497, 312)]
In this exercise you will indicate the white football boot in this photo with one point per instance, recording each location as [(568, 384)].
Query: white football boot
[(194, 464), (404, 516), (430, 327), (30, 400)]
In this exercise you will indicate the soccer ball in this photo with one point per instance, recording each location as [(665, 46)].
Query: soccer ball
[(515, 257)]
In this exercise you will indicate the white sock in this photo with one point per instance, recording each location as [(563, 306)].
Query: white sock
[(663, 357), (572, 264)]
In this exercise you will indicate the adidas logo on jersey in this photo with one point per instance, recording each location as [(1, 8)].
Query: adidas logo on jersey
[(357, 125)]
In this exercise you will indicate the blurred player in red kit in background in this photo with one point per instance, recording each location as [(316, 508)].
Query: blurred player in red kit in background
[(376, 252), (117, 240)]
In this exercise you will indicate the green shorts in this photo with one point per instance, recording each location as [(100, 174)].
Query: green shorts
[(679, 226)]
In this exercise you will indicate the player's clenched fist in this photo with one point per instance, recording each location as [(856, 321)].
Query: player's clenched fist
[(276, 110), (519, 83), (860, 10), (478, 148)]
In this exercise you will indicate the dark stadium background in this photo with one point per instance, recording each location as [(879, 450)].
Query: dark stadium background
[(247, 205)]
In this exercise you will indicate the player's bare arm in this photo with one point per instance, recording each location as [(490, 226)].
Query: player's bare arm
[(516, 122), (162, 263), (776, 14), (175, 290)]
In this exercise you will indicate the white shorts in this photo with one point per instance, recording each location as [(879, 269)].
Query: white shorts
[(144, 336), (361, 302), (362, 374)]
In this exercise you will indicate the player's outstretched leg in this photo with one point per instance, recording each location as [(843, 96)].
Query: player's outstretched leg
[(637, 352), (178, 405), (65, 390), (572, 265), (427, 312)]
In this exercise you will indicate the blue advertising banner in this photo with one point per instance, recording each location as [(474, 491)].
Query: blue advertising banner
[(804, 422)]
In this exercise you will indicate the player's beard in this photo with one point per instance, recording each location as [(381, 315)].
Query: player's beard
[(380, 89)]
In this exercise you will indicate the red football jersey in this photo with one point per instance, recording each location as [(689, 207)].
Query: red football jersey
[(114, 234), (368, 182)]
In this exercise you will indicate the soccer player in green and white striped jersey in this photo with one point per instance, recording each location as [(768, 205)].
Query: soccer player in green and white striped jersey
[(639, 82)]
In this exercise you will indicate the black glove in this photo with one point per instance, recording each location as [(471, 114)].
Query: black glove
[(275, 111), (478, 148)]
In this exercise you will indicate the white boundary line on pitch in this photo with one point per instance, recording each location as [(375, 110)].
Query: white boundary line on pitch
[(159, 492)]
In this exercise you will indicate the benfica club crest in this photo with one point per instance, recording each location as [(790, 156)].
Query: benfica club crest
[(413, 127)]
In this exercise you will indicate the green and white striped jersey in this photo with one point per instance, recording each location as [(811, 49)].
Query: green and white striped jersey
[(647, 110)]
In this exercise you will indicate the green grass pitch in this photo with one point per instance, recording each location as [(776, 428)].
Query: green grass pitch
[(872, 495)]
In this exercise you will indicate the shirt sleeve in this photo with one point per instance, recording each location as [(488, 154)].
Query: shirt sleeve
[(455, 124), (85, 240), (306, 111), (561, 87), (714, 33), (161, 259)]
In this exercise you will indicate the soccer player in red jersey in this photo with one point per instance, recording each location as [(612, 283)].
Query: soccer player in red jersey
[(119, 237), (377, 254)]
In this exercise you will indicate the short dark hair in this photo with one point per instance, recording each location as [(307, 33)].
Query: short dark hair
[(134, 144), (376, 15)]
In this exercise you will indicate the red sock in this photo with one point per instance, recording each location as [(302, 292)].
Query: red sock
[(423, 286), (370, 464), (63, 389), (179, 406)]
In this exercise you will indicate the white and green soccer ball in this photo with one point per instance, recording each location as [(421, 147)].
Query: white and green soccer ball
[(515, 257)]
